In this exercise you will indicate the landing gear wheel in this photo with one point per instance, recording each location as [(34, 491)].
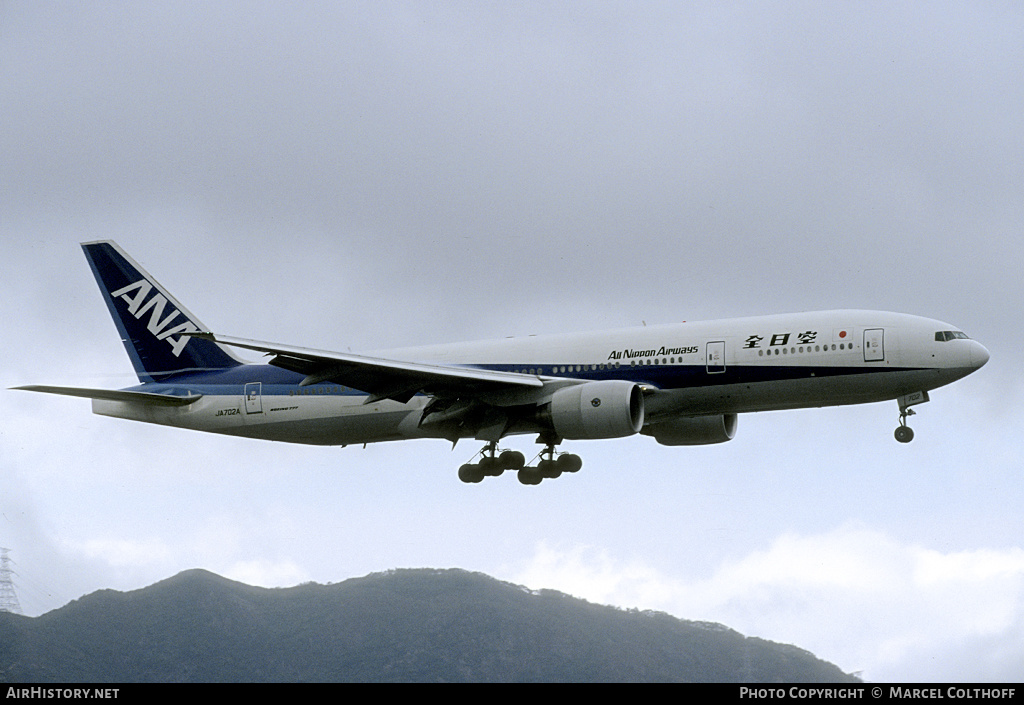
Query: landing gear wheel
[(904, 434), (471, 473), (530, 476), (512, 460), (569, 462), (548, 468), (491, 466)]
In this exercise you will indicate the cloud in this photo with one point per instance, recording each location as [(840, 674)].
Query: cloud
[(229, 545), (126, 553), (854, 596), (267, 573)]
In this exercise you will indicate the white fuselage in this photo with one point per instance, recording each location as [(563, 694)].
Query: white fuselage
[(686, 370)]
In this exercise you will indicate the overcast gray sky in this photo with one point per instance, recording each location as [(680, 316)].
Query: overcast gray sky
[(364, 175)]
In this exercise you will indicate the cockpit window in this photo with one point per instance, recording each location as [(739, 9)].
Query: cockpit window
[(944, 335)]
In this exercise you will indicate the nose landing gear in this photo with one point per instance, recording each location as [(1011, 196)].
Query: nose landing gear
[(905, 434)]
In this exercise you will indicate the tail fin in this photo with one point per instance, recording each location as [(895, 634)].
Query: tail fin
[(150, 320)]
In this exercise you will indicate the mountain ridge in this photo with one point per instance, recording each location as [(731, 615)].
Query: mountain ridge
[(423, 625)]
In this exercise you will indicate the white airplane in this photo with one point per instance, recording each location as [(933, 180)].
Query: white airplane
[(681, 384)]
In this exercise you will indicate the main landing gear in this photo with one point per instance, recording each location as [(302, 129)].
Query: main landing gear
[(493, 464), (550, 466)]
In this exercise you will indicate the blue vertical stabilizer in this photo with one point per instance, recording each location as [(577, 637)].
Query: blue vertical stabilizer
[(150, 321)]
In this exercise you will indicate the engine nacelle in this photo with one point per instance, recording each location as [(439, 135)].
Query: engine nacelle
[(609, 409), (694, 431)]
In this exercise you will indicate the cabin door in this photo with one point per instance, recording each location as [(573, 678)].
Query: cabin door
[(716, 357), (253, 398), (874, 345)]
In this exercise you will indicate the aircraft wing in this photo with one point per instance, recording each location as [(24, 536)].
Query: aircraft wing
[(115, 395), (382, 378)]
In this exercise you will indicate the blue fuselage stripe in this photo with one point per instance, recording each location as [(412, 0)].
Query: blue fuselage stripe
[(277, 381)]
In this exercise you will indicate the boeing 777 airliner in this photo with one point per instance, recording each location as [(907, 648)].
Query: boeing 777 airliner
[(681, 384)]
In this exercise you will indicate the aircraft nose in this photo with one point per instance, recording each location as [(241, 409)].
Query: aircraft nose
[(979, 355)]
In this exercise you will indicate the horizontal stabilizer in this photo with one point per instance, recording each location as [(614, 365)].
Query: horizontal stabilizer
[(115, 395)]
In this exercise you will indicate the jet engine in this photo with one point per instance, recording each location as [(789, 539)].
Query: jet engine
[(608, 409), (694, 430)]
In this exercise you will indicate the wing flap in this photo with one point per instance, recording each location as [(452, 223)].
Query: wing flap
[(115, 395)]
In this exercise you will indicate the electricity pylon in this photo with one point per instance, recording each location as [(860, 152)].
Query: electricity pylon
[(8, 598)]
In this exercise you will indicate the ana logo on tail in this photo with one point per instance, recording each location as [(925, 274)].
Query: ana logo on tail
[(158, 326)]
